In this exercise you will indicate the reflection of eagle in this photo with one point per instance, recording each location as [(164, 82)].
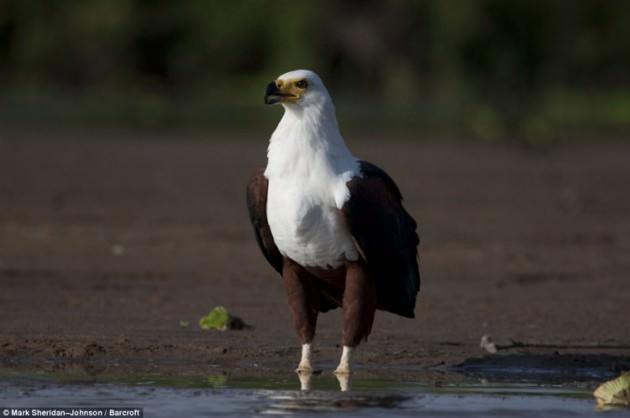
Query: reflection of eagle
[(332, 225)]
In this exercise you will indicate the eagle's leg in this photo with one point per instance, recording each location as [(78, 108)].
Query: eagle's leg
[(303, 299), (359, 305)]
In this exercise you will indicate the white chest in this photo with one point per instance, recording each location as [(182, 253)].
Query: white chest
[(308, 167), (306, 224)]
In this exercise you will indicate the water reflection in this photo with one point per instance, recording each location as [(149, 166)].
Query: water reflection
[(315, 396), (306, 380), (326, 401), (344, 381)]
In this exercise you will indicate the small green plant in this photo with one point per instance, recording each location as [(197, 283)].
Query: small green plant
[(219, 318)]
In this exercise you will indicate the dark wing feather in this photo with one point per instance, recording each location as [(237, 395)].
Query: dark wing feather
[(386, 236), (257, 206)]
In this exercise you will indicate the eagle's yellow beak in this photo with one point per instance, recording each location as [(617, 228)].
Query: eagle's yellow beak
[(284, 91)]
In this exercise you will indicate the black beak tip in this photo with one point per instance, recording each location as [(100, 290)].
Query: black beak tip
[(271, 93)]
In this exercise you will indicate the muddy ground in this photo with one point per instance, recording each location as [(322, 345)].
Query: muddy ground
[(108, 241)]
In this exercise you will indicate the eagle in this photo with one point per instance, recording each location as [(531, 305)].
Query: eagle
[(332, 225)]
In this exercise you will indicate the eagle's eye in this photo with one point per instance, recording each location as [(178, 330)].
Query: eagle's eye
[(301, 84)]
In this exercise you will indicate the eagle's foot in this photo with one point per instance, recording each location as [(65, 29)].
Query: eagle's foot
[(304, 368), (342, 370), (344, 363), (305, 361)]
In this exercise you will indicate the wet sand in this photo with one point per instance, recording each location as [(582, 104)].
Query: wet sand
[(108, 241)]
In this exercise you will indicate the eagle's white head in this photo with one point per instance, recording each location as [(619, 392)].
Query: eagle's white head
[(307, 146), (298, 89)]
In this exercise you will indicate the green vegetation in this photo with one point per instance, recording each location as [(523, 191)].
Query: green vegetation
[(490, 69), (218, 318)]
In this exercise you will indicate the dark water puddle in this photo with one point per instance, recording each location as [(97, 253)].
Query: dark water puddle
[(243, 396), (555, 368)]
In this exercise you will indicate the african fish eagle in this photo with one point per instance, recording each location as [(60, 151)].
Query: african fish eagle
[(332, 225)]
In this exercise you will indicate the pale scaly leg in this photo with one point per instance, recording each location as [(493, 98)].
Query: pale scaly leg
[(305, 361), (345, 362)]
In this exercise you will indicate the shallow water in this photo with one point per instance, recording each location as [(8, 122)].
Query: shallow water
[(248, 397)]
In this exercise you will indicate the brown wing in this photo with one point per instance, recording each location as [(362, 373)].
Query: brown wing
[(257, 206), (386, 236)]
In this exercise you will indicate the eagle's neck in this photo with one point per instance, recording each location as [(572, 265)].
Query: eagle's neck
[(307, 145)]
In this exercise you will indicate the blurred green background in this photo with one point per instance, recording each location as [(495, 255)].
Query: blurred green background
[(489, 69)]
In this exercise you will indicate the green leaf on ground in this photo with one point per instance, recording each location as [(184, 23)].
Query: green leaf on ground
[(218, 318)]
